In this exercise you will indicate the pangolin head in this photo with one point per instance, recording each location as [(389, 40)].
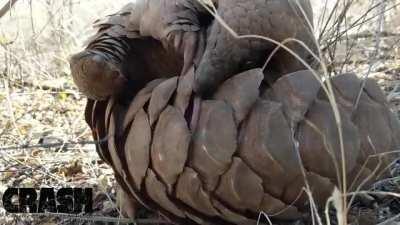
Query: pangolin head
[(95, 76)]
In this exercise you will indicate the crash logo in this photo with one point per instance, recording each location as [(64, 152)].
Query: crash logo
[(47, 200)]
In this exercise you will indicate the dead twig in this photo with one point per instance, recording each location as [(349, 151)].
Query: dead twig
[(7, 7), (53, 145)]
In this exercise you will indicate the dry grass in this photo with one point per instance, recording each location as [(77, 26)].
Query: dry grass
[(37, 93), (39, 102)]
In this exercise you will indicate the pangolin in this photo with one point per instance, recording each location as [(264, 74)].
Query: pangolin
[(241, 159), (161, 38), (226, 55)]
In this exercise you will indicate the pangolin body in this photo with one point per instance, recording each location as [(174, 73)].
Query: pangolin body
[(251, 152), (244, 156)]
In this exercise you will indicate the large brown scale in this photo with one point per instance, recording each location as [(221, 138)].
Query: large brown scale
[(245, 146)]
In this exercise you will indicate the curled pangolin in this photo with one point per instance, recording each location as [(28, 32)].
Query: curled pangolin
[(245, 154), (249, 149)]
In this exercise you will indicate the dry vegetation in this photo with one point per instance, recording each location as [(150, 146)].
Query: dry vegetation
[(40, 105)]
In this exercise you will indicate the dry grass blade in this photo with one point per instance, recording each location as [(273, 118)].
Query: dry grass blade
[(7, 7)]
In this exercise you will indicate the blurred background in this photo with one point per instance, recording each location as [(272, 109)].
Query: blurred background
[(39, 103), (36, 39)]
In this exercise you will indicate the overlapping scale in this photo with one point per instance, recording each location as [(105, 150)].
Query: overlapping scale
[(170, 146), (137, 148), (160, 97), (214, 142), (241, 92)]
